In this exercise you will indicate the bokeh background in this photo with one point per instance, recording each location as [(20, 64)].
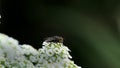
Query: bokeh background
[(91, 28)]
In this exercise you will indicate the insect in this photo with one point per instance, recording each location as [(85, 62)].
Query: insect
[(56, 39)]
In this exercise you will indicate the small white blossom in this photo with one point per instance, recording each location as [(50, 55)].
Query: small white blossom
[(57, 51), (33, 58), (41, 51), (49, 52), (45, 43), (27, 49)]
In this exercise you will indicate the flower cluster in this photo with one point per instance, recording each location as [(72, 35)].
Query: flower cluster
[(51, 55)]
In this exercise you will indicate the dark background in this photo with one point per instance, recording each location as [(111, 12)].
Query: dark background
[(91, 28)]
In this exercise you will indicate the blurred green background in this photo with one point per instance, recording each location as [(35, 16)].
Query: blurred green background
[(91, 28)]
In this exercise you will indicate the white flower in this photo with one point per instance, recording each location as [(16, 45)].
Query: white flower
[(21, 64), (57, 51), (49, 52), (79, 67), (44, 56), (40, 60), (33, 58), (59, 59), (64, 56), (41, 51), (66, 48), (46, 43), (12, 41), (50, 46), (27, 49), (53, 59), (38, 65)]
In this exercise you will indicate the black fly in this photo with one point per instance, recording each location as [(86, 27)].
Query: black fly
[(56, 39)]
